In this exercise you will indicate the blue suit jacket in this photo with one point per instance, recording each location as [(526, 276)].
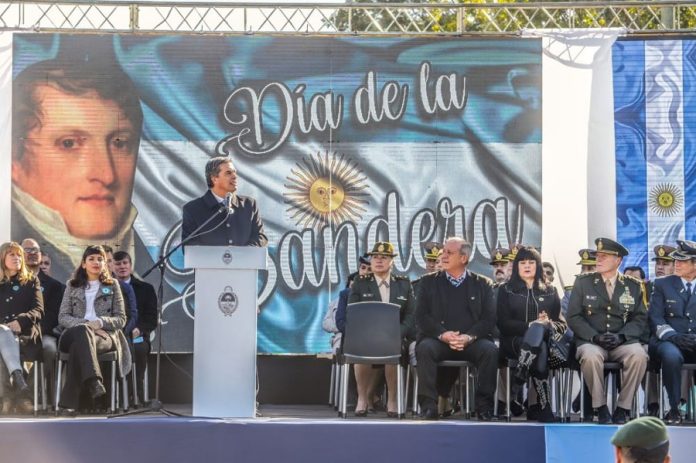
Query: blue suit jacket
[(243, 227), (669, 312)]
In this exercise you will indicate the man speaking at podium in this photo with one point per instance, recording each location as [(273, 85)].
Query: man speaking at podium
[(237, 222)]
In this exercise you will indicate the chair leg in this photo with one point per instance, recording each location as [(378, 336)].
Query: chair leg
[(406, 386), (508, 414), (416, 406), (35, 367), (344, 390), (59, 376), (113, 387), (660, 395), (468, 408), (582, 396), (332, 383), (124, 384), (337, 388), (146, 385), (42, 374), (134, 381), (495, 396), (399, 391)]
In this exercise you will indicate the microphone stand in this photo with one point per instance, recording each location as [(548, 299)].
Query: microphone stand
[(155, 405)]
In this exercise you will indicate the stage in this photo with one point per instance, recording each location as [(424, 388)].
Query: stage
[(307, 434)]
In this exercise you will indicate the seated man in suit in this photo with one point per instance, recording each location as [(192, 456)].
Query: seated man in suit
[(382, 285), (455, 315), (607, 315), (673, 323)]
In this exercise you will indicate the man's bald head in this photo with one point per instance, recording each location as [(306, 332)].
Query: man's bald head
[(32, 254)]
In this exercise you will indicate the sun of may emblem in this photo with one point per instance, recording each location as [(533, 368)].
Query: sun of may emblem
[(324, 189), (666, 200)]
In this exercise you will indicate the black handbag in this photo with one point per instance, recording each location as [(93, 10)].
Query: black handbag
[(559, 348)]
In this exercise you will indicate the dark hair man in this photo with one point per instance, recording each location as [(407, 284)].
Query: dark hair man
[(239, 225), (52, 291), (146, 299)]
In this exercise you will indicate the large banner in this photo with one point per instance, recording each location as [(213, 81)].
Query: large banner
[(655, 123), (342, 142)]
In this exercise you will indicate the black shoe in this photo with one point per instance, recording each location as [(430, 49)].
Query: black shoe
[(516, 408), (673, 416), (20, 384), (603, 415), (96, 388), (654, 409), (546, 415), (429, 414), (620, 415), (575, 407), (533, 412), (485, 415)]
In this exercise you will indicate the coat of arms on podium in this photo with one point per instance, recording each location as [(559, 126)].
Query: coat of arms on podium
[(227, 301)]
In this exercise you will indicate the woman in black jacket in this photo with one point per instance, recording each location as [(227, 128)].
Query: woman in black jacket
[(21, 309), (528, 309)]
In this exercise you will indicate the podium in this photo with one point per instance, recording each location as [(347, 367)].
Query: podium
[(224, 336)]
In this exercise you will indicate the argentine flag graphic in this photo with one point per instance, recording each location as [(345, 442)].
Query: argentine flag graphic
[(655, 130)]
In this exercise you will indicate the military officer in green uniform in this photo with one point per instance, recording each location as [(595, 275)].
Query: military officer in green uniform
[(608, 316), (501, 265), (382, 285)]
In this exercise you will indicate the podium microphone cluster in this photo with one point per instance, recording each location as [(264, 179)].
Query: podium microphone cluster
[(228, 204)]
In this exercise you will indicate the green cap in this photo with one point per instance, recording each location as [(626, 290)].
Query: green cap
[(646, 432), (382, 248)]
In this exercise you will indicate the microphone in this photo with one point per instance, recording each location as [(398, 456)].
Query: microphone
[(228, 203)]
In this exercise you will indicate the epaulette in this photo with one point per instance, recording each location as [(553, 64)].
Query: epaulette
[(567, 288), (586, 275), (366, 277), (633, 279), (400, 277)]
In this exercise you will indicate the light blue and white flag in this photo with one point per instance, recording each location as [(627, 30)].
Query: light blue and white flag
[(655, 126)]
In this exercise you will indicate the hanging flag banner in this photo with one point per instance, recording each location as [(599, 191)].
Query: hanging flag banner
[(342, 142), (655, 123)]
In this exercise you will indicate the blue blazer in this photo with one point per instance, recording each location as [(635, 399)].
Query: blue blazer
[(669, 312), (243, 227)]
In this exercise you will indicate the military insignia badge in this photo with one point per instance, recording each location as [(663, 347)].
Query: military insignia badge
[(227, 257), (380, 248), (585, 255), (227, 301), (626, 298), (661, 251), (600, 245), (498, 256)]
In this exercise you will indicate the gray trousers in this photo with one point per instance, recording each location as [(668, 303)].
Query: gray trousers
[(9, 356), (592, 358)]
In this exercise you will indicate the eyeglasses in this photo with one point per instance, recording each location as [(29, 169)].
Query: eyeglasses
[(32, 250)]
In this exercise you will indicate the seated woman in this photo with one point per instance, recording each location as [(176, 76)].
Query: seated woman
[(93, 314), (528, 309), (21, 309)]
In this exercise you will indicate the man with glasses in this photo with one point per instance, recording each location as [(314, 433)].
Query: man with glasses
[(52, 291)]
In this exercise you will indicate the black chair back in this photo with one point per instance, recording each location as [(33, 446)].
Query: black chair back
[(372, 333)]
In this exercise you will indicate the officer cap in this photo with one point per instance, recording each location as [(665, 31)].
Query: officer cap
[(365, 259), (432, 250), (646, 432), (500, 256), (587, 257), (686, 250), (663, 251), (513, 252), (382, 248), (608, 246)]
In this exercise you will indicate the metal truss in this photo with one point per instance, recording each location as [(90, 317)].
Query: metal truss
[(449, 18)]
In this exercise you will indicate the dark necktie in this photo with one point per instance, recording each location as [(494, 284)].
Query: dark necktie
[(688, 291)]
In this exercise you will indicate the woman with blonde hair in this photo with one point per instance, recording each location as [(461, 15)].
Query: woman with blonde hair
[(93, 314), (21, 309)]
